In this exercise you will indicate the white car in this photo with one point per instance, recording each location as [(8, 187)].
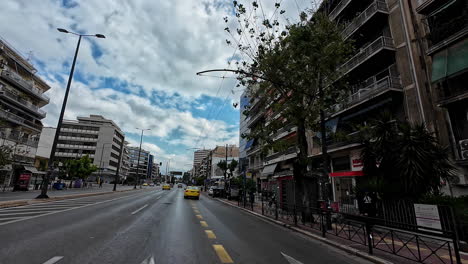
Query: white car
[(210, 191)]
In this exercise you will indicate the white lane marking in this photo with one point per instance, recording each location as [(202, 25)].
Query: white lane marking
[(20, 213), (53, 260), (149, 260), (54, 212), (10, 218), (140, 209), (290, 259)]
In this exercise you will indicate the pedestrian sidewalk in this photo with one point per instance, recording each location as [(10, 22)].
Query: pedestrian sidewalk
[(12, 199), (357, 244)]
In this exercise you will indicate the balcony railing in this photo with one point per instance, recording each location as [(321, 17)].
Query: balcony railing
[(376, 6), (77, 138), (254, 118), (442, 29), (352, 138), (73, 155), (23, 102), (256, 166), (19, 120), (338, 8), (253, 149), (373, 88), (82, 131), (366, 52), (284, 131), (73, 146), (28, 86), (15, 137), (288, 151)]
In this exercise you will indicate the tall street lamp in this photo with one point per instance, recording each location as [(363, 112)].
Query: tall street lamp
[(139, 153), (64, 104)]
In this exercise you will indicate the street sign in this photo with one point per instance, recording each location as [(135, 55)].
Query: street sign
[(427, 215)]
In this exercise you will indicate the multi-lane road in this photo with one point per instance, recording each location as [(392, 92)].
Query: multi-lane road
[(151, 226)]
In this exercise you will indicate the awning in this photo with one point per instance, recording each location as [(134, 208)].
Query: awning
[(450, 61), (249, 144), (31, 169), (268, 170), (346, 174)]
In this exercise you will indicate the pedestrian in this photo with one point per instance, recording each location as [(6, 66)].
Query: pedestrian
[(100, 183), (367, 204)]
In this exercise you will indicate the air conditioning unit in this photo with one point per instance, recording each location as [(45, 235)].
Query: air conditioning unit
[(464, 148)]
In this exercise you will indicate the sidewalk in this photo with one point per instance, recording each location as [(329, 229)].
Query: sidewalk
[(352, 238), (12, 199)]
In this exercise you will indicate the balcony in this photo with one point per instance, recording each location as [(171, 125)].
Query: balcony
[(15, 137), (72, 146), (77, 138), (350, 140), (284, 131), (253, 150), (19, 120), (288, 153), (338, 9), (253, 119), (256, 166), (366, 53), (27, 86), (427, 6), (21, 102), (72, 155), (80, 131), (374, 86), (378, 6), (444, 32)]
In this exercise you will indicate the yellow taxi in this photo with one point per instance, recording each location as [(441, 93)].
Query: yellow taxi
[(145, 184), (192, 192), (166, 187)]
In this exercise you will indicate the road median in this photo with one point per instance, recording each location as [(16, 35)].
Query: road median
[(23, 202)]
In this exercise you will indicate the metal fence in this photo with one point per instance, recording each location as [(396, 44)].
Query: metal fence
[(403, 239)]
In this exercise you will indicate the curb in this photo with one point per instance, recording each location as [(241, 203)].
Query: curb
[(15, 203), (348, 249)]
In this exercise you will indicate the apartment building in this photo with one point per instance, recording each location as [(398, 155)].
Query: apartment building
[(21, 99), (99, 138), (218, 154), (125, 162), (138, 168), (441, 30), (198, 156)]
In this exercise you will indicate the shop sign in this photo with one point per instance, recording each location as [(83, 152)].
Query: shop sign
[(356, 161), (427, 215)]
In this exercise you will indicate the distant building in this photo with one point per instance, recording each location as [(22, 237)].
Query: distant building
[(198, 156), (138, 166), (21, 99), (99, 138), (218, 154)]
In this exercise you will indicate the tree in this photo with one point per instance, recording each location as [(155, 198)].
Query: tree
[(229, 168), (79, 168), (5, 155), (402, 160), (294, 69)]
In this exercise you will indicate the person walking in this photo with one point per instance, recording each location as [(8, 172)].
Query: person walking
[(100, 183)]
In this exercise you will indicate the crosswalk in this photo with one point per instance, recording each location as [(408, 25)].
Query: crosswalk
[(15, 214)]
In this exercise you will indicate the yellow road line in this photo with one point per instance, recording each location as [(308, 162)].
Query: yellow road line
[(203, 223), (222, 254), (210, 234), (199, 216), (409, 245), (196, 211)]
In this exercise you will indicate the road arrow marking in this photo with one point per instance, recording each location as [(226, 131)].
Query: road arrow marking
[(290, 259), (149, 260)]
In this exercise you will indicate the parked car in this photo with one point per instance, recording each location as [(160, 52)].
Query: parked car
[(179, 185), (210, 191), (151, 184)]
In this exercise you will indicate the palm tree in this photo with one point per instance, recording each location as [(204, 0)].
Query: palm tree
[(402, 160)]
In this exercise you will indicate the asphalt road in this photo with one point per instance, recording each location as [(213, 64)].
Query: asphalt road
[(151, 226), (23, 195)]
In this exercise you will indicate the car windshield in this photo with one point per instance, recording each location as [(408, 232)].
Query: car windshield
[(233, 131)]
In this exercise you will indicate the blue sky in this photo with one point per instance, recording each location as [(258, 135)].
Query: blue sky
[(143, 73)]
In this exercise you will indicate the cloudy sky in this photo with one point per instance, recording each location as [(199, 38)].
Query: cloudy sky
[(143, 73)]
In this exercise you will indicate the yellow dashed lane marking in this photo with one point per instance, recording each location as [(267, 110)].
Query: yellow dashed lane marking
[(199, 216), (222, 254), (203, 223), (210, 234), (196, 211)]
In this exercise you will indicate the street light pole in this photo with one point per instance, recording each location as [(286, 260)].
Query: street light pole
[(139, 153), (45, 184)]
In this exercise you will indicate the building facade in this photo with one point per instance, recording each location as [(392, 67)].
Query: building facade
[(220, 153), (21, 99), (138, 168), (198, 156), (441, 31), (99, 138)]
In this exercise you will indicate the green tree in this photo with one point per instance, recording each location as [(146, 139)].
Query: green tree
[(294, 69), (79, 168), (402, 160), (229, 168)]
